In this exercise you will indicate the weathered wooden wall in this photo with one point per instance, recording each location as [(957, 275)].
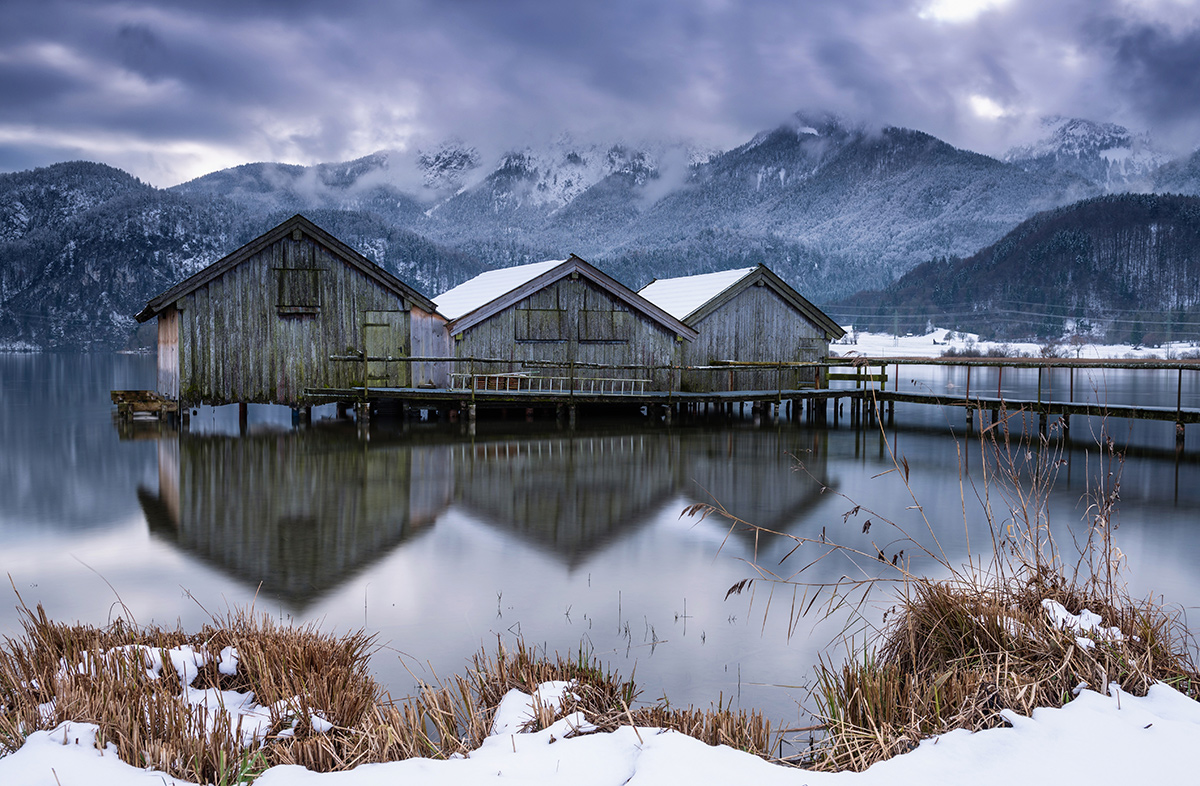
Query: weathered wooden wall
[(756, 325), (265, 330), (430, 340), (168, 353), (572, 320)]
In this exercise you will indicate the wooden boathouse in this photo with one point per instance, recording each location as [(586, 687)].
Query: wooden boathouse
[(747, 317), (531, 325), (261, 324)]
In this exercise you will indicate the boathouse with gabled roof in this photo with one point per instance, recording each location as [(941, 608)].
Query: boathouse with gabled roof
[(748, 315), (565, 317), (264, 323)]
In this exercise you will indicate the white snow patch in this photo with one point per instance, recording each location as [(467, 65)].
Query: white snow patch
[(518, 708), (228, 663), (681, 296), (486, 287), (1083, 623), (1113, 740)]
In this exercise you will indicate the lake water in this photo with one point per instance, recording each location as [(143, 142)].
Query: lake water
[(441, 542)]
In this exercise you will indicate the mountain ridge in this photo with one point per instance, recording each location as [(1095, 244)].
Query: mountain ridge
[(831, 206), (1108, 267)]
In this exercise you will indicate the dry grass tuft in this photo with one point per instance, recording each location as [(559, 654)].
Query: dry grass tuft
[(607, 701), (58, 672), (964, 649), (958, 654)]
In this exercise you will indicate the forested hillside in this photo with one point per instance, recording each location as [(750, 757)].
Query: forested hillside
[(1123, 267), (831, 206)]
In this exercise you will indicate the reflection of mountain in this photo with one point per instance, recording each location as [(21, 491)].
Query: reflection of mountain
[(570, 495), (297, 512)]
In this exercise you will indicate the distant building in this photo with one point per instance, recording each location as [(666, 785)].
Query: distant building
[(749, 315), (566, 313), (265, 322)]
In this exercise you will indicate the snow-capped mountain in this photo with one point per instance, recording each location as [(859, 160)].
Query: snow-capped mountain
[(448, 167), (1110, 156), (830, 205)]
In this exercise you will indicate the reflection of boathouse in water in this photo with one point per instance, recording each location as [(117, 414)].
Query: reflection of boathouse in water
[(568, 495), (298, 513), (574, 495), (302, 512)]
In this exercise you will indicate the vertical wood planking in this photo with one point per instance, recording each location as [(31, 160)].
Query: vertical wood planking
[(648, 343), (756, 325), (234, 344)]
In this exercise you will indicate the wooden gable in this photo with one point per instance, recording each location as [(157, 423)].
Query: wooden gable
[(297, 284)]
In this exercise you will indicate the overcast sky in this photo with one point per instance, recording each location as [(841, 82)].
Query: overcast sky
[(172, 90)]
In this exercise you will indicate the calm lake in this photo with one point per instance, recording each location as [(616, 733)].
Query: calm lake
[(441, 542)]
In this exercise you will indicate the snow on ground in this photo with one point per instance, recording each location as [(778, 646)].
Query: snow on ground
[(1100, 740), (938, 340)]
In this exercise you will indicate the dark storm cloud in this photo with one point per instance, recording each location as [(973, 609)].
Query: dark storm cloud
[(1158, 68), (172, 89)]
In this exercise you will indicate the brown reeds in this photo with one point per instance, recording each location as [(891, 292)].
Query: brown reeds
[(57, 672), (959, 651), (607, 701), (958, 654)]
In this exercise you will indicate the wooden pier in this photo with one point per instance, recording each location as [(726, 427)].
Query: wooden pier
[(531, 387), (131, 402), (868, 388)]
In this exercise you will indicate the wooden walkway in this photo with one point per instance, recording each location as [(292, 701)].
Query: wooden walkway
[(1061, 408), (868, 379)]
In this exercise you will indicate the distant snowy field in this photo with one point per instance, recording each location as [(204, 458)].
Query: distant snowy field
[(937, 341)]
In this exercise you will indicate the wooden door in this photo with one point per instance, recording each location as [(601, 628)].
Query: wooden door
[(386, 340)]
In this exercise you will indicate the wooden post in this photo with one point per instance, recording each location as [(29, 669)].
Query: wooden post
[(366, 367), (999, 378), (968, 396), (1179, 397)]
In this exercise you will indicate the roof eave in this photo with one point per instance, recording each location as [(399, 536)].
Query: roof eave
[(572, 264), (274, 235), (782, 288)]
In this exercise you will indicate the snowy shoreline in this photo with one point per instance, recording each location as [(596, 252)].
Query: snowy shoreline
[(1102, 740)]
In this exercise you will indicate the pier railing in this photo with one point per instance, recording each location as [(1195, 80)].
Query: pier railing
[(536, 383), (470, 374)]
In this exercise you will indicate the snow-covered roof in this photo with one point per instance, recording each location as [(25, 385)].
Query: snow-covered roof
[(486, 287), (681, 296)]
